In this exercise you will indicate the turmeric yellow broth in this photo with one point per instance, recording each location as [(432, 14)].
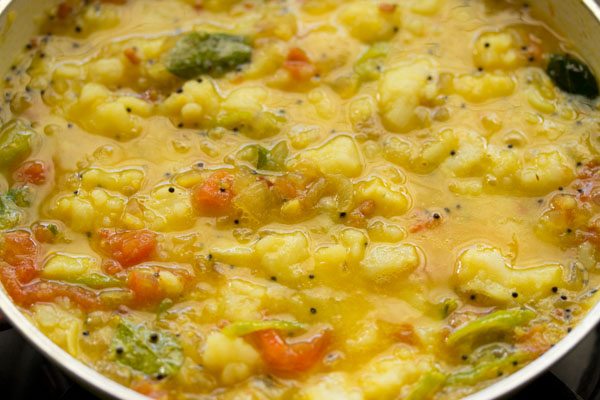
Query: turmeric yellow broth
[(312, 199)]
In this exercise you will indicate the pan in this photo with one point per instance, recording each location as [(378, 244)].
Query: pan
[(579, 20)]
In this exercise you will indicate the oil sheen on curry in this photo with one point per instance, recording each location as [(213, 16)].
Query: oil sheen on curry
[(316, 199)]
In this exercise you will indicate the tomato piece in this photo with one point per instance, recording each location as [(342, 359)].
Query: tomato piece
[(425, 221), (534, 340), (33, 172), (299, 65), (128, 247), (20, 250), (283, 357), (285, 188), (387, 8), (112, 267), (405, 333), (132, 55), (42, 291), (145, 286), (358, 217), (45, 232), (63, 10), (214, 197), (150, 389)]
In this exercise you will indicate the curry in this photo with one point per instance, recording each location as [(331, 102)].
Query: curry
[(315, 199)]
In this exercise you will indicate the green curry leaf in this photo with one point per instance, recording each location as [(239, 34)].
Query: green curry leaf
[(572, 75), (146, 350), (207, 53)]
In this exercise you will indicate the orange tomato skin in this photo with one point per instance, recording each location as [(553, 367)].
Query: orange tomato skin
[(299, 65), (132, 55), (33, 172), (19, 268), (214, 197), (46, 291), (20, 250), (128, 247), (387, 7), (145, 286), (289, 358), (150, 389)]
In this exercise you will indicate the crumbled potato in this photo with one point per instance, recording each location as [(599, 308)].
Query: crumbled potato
[(402, 89), (232, 357), (283, 254), (338, 156), (483, 271), (385, 262)]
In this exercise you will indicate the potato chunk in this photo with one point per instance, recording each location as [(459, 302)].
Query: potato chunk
[(338, 156), (283, 254), (498, 50), (244, 110), (402, 90), (98, 111), (233, 358), (88, 211), (63, 326), (389, 201), (383, 376), (383, 263), (483, 271), (126, 181), (65, 267), (478, 88), (333, 386), (366, 22), (545, 171), (162, 210)]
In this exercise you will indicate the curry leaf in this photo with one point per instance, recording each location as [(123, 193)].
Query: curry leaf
[(572, 75), (146, 350)]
